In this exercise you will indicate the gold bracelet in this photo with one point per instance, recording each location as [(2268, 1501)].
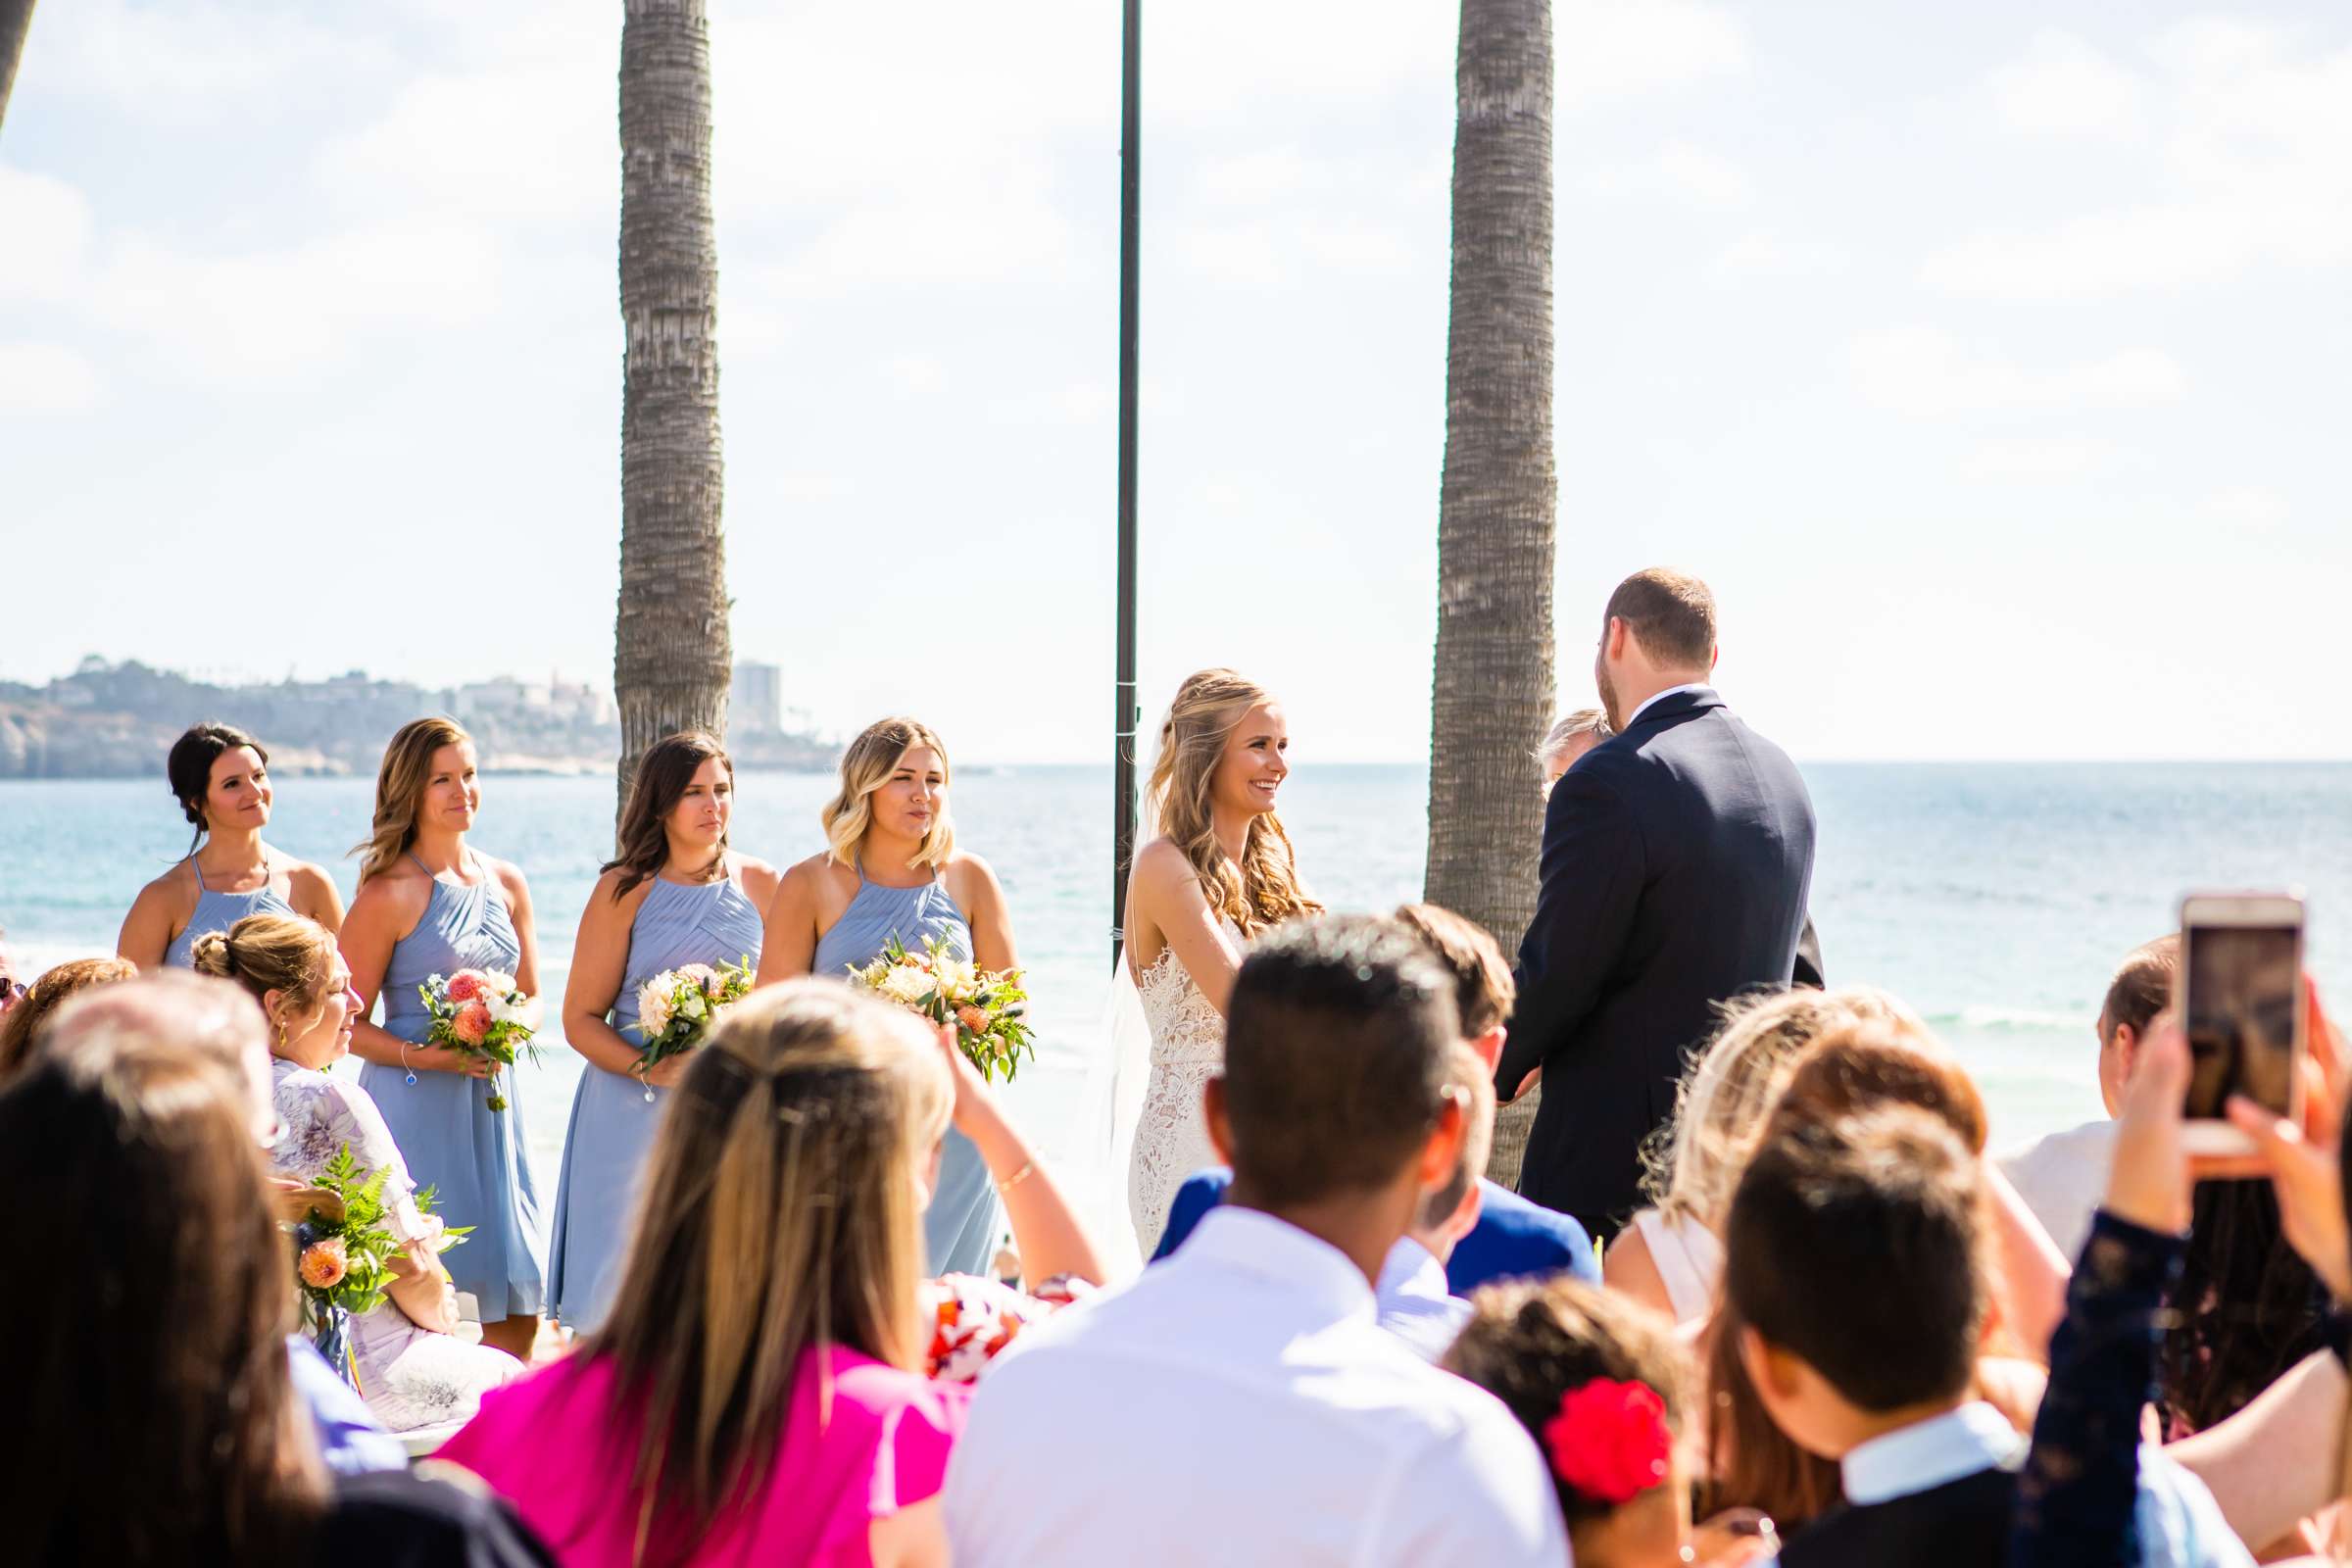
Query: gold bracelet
[(1018, 1177)]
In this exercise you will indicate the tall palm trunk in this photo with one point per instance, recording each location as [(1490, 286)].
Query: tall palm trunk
[(1493, 685), (672, 655), (16, 20)]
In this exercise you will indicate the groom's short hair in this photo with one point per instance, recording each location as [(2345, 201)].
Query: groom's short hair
[(1672, 615), (1338, 1050)]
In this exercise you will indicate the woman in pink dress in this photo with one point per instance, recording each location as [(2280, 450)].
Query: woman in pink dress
[(758, 1392)]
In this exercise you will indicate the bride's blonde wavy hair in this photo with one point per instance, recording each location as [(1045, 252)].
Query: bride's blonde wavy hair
[(865, 768), (1263, 890), (400, 781)]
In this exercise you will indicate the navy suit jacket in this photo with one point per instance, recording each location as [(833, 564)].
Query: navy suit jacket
[(1513, 1239), (1677, 860)]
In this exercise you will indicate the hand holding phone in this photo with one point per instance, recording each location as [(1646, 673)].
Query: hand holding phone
[(2240, 994)]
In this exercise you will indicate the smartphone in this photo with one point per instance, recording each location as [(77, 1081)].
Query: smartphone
[(2240, 990)]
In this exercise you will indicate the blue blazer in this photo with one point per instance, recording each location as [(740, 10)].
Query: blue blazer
[(1513, 1239)]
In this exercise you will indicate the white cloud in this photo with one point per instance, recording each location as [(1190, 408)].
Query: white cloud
[(1762, 252), (2063, 86), (261, 312), (1926, 372), (2037, 457), (1681, 174), (528, 141), (1608, 51), (201, 62), (2256, 131), (2248, 508), (45, 379), (47, 227), (1282, 252)]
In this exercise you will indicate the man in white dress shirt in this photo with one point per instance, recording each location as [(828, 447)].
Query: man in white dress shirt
[(1237, 1403)]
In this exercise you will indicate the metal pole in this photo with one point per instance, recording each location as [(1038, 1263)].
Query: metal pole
[(1125, 712)]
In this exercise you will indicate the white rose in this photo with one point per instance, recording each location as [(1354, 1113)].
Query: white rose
[(653, 1007), (500, 981), (692, 1005), (905, 984), (956, 976)]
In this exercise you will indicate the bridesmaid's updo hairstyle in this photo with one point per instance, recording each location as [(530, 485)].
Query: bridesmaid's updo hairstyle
[(777, 1217), (1208, 707), (667, 767), (264, 953), (865, 768), (400, 781), (189, 767)]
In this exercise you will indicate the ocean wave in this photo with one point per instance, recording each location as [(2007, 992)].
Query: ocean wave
[(2010, 1020)]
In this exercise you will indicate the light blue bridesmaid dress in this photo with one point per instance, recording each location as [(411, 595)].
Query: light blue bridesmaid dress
[(961, 1226), (218, 911), (473, 1158), (611, 1122)]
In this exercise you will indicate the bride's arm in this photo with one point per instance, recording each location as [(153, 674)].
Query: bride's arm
[(1167, 894)]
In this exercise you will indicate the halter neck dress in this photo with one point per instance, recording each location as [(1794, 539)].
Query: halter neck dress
[(218, 911), (960, 1228), (611, 1122), (473, 1158)]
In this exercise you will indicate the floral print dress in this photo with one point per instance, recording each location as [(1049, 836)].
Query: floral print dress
[(409, 1376)]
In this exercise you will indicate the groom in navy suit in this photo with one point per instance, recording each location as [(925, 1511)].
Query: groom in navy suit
[(1677, 860)]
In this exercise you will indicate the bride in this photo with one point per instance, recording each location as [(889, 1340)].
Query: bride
[(1220, 871)]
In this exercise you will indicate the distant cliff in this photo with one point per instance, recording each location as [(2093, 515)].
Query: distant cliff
[(119, 720)]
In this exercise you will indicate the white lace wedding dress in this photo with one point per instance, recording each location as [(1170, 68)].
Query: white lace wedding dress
[(1187, 1047)]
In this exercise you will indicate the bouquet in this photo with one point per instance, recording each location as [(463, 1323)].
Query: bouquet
[(984, 1007), (478, 1013), (343, 1261), (676, 1007)]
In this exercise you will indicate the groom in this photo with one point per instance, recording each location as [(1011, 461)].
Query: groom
[(1677, 856)]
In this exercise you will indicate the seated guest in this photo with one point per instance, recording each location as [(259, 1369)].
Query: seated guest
[(758, 1393), (1881, 1378), (2061, 1177), (44, 997), (406, 1358), (1599, 1382), (1668, 1257), (153, 1376), (1238, 1403), (1512, 1238), (1410, 1299), (220, 1022), (1571, 738)]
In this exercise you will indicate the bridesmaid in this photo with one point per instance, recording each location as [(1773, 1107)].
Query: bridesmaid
[(675, 895), (430, 905), (891, 868), (220, 777)]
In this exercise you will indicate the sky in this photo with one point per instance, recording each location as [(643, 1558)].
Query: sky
[(1985, 359)]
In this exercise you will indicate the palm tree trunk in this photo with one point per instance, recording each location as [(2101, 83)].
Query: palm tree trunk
[(15, 20), (671, 652), (1494, 686)]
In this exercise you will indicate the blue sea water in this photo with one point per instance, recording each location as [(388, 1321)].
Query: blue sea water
[(1995, 898)]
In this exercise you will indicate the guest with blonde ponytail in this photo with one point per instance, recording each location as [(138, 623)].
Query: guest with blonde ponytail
[(431, 904), (1220, 871), (759, 1391), (404, 1356)]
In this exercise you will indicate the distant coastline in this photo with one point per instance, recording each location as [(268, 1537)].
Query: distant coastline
[(109, 720)]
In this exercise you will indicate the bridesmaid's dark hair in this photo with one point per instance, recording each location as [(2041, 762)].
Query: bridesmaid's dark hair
[(189, 767), (187, 1445), (667, 767)]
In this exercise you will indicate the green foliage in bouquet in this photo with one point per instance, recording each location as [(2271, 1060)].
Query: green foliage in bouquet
[(347, 1262)]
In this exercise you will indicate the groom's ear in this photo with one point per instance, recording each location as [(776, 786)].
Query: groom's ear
[(1213, 1112)]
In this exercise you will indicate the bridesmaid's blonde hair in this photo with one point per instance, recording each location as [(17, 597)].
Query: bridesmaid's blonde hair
[(865, 768), (400, 780), (778, 1220), (1263, 891)]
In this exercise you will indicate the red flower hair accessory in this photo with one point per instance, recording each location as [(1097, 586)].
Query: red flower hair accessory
[(1609, 1441)]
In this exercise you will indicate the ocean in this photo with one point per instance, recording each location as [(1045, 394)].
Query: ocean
[(1995, 898)]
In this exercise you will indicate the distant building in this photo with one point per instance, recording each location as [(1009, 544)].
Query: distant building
[(755, 699)]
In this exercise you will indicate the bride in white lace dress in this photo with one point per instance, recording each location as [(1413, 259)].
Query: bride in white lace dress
[(1220, 871)]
